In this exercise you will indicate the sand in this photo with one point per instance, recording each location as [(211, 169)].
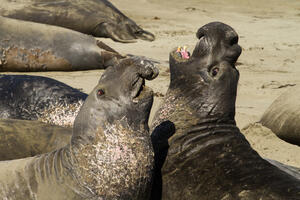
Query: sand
[(269, 33)]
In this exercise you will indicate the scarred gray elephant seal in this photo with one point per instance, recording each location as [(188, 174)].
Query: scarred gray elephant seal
[(207, 157), (29, 46), (94, 17), (283, 116), (110, 154), (39, 98)]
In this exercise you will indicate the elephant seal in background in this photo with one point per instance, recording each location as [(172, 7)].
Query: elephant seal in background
[(29, 46), (39, 98), (110, 154), (94, 17), (283, 116), (22, 138), (208, 157)]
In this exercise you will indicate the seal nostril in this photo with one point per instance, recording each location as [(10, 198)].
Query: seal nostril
[(234, 40), (200, 33)]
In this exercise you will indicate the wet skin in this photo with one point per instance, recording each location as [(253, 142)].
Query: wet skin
[(207, 157), (110, 154)]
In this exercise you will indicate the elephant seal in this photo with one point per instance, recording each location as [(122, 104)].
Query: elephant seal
[(110, 154), (94, 17), (39, 98), (283, 116), (23, 138), (208, 157), (29, 46)]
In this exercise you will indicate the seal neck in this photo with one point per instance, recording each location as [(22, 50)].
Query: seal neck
[(203, 130), (187, 111)]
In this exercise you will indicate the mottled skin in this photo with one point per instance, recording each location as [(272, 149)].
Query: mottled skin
[(22, 138), (208, 157), (94, 17), (110, 153), (282, 116), (39, 98), (29, 46)]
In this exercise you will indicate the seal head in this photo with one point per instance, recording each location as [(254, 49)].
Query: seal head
[(208, 79), (121, 91), (127, 31)]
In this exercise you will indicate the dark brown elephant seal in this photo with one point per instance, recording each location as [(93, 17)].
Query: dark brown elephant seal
[(29, 46), (110, 154), (94, 17), (208, 157), (283, 116), (39, 98), (23, 138)]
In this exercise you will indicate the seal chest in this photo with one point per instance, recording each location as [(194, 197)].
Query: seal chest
[(118, 157)]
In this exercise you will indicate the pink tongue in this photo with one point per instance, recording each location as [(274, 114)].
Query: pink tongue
[(185, 55), (183, 52)]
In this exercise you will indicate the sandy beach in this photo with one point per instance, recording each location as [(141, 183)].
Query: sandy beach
[(269, 33)]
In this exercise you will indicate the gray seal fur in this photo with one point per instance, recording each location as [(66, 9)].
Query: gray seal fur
[(29, 46), (283, 116), (110, 154), (23, 138), (99, 18), (39, 98), (207, 157)]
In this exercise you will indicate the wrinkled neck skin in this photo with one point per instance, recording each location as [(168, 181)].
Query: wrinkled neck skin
[(208, 157), (188, 114), (192, 101)]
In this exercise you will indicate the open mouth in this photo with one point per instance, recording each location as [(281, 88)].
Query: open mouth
[(181, 54), (141, 92)]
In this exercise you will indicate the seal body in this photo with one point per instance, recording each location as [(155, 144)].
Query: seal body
[(94, 17), (282, 117), (23, 138), (29, 46), (207, 157), (39, 98), (110, 153)]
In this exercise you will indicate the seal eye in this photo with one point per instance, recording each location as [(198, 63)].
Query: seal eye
[(215, 71), (100, 92)]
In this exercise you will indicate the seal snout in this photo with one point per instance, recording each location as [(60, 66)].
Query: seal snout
[(144, 35), (234, 50), (147, 71), (214, 37)]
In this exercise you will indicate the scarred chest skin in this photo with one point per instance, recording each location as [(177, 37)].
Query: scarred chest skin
[(119, 156)]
